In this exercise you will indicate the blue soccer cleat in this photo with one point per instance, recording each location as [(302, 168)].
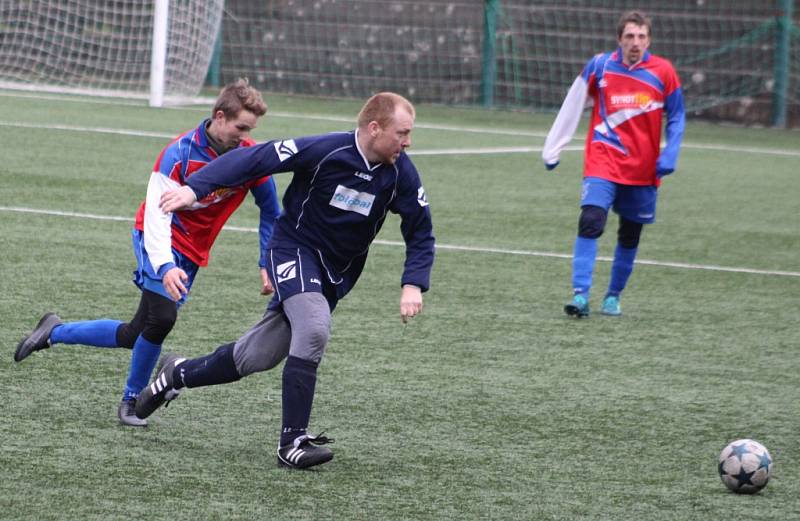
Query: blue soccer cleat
[(611, 306), (579, 307)]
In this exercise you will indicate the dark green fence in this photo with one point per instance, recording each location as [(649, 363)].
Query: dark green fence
[(737, 59)]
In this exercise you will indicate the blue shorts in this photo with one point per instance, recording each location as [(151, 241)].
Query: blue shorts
[(145, 277), (635, 203), (297, 270)]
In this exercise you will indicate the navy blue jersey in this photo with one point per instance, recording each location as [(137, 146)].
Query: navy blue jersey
[(337, 201)]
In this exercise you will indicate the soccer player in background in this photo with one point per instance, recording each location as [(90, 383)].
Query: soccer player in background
[(632, 90), (343, 186), (169, 248)]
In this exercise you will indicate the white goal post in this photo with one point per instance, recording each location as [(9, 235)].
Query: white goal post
[(147, 49)]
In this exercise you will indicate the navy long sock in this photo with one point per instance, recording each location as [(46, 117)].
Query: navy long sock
[(213, 369), (299, 380)]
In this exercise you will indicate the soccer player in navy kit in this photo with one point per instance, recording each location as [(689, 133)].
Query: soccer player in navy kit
[(170, 248), (343, 186), (632, 91)]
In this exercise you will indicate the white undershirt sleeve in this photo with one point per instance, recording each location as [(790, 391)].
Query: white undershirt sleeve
[(566, 123), (157, 224)]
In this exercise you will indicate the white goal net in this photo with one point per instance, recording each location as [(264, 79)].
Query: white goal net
[(105, 47)]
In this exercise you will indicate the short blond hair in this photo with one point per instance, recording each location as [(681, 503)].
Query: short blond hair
[(381, 108), (238, 96)]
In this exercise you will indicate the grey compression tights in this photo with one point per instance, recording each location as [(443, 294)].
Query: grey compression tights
[(301, 330)]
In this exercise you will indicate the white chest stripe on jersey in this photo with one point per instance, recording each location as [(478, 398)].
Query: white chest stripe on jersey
[(616, 119)]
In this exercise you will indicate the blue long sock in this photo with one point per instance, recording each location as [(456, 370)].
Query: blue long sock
[(299, 380), (621, 269), (98, 333), (143, 360), (212, 369), (583, 265)]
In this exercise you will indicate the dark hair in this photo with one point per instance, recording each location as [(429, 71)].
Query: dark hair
[(237, 96), (633, 17), (381, 108)]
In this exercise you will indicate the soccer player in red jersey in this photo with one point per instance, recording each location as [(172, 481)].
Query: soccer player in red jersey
[(170, 249), (632, 92)]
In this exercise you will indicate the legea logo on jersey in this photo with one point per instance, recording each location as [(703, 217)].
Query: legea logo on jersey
[(636, 100), (286, 271), (285, 149), (352, 200)]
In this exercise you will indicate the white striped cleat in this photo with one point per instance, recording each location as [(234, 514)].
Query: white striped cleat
[(305, 452), (161, 390)]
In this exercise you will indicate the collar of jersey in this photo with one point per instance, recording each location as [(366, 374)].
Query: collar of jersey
[(617, 57), (363, 157)]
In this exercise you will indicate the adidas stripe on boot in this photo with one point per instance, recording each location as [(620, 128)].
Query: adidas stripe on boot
[(161, 390), (305, 452)]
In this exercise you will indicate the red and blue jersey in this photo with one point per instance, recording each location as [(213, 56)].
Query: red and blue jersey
[(624, 137), (192, 232)]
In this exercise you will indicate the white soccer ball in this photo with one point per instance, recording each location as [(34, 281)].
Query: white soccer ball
[(745, 466)]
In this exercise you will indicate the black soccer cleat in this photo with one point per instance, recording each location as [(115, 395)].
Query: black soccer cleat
[(126, 412), (304, 452), (39, 338), (577, 307), (161, 390)]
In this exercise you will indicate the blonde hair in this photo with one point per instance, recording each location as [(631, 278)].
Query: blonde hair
[(381, 108), (238, 96)]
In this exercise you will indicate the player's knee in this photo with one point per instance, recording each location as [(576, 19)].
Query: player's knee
[(160, 322), (592, 222), (629, 233), (127, 335), (310, 343), (310, 318)]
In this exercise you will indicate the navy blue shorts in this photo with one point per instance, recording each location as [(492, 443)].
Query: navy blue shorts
[(635, 203), (146, 277), (297, 270)]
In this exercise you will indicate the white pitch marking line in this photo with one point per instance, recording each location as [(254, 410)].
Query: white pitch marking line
[(452, 247), (414, 152)]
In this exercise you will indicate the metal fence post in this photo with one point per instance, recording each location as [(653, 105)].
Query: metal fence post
[(782, 50), (489, 56)]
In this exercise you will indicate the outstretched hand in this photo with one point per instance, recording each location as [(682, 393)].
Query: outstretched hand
[(177, 199), (410, 302)]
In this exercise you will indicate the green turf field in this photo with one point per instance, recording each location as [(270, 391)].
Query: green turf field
[(492, 404)]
